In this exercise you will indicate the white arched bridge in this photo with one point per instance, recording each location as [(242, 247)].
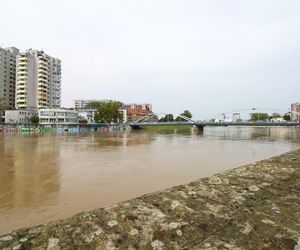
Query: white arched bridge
[(186, 121)]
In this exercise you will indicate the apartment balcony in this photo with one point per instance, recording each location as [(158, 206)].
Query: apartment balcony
[(43, 57), (43, 66), (43, 88), (21, 91), (42, 98), (43, 84), (21, 81), (43, 71), (42, 91), (22, 68), (21, 98), (22, 104), (42, 76), (43, 81), (21, 85), (22, 65), (43, 63), (22, 78)]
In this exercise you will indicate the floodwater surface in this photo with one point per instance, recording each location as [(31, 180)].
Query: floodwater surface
[(51, 176)]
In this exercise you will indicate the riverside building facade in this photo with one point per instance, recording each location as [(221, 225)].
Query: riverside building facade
[(38, 81), (8, 76), (135, 111), (58, 117), (295, 111)]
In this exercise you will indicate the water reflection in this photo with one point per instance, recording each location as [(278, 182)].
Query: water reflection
[(45, 177), (29, 172)]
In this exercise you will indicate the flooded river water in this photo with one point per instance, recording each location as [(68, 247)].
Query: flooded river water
[(46, 177)]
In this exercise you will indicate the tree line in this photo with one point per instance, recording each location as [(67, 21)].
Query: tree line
[(170, 117), (111, 112), (107, 111), (266, 117)]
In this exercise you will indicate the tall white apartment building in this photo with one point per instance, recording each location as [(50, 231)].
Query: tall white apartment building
[(8, 76), (38, 81)]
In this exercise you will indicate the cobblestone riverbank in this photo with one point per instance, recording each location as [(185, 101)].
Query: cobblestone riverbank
[(256, 206)]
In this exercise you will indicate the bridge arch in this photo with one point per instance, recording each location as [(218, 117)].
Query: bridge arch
[(252, 110), (148, 117)]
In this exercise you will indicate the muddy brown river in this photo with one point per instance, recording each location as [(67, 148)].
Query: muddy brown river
[(49, 176)]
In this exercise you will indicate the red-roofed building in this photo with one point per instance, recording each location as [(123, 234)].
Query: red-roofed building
[(135, 111)]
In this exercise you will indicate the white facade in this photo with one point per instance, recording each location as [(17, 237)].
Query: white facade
[(18, 116), (124, 114), (58, 117), (295, 111), (278, 119), (38, 81), (236, 117), (8, 76), (139, 106), (82, 104), (87, 114)]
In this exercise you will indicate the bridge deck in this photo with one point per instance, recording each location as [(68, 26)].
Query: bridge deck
[(203, 124)]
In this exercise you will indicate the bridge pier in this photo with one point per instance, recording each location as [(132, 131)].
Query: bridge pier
[(200, 127), (135, 127)]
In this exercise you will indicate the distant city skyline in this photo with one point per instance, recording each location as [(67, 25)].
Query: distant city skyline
[(205, 56)]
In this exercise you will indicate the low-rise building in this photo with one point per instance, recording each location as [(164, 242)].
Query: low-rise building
[(87, 114), (295, 111), (236, 117), (58, 117), (135, 111), (19, 116), (277, 119)]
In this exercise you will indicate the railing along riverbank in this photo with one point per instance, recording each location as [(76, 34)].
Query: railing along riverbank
[(59, 129), (256, 206)]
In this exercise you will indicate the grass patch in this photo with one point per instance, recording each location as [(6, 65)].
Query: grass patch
[(168, 127)]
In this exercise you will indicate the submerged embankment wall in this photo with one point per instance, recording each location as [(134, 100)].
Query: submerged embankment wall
[(256, 206)]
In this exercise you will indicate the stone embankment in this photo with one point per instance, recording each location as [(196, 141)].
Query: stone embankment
[(251, 207)]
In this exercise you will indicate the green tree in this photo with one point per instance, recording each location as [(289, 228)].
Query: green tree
[(287, 117), (167, 118), (107, 111), (83, 121), (275, 115), (259, 117), (185, 113), (34, 119)]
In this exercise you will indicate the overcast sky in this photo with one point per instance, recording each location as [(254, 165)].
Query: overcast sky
[(207, 56)]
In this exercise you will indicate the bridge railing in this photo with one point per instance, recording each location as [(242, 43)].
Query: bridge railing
[(148, 117)]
